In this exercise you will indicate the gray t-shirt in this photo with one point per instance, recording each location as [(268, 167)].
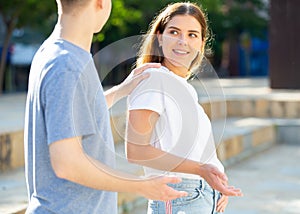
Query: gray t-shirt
[(65, 99)]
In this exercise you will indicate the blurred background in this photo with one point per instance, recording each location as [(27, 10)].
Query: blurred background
[(255, 53), (239, 43)]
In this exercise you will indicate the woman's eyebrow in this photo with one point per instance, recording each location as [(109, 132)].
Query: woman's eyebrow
[(176, 28)]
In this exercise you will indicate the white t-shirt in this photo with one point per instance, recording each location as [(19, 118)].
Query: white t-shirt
[(183, 128)]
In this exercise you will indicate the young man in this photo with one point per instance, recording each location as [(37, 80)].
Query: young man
[(69, 149)]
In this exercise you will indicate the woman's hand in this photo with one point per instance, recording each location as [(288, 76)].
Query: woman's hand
[(218, 180), (222, 203)]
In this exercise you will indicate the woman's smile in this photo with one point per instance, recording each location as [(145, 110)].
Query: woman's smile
[(180, 52)]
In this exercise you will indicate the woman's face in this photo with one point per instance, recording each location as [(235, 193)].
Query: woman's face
[(181, 41)]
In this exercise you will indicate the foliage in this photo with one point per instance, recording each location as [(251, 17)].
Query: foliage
[(33, 13), (20, 13), (227, 19)]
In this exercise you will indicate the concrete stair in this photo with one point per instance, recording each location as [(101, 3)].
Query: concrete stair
[(11, 131), (251, 119), (13, 193)]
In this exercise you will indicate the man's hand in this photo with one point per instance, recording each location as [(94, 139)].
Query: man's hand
[(218, 180), (115, 93), (135, 77), (157, 189)]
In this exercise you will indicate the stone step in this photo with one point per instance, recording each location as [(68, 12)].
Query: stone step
[(287, 108), (264, 108), (12, 112), (11, 150), (279, 107), (11, 139), (287, 130), (246, 98), (11, 131), (241, 138)]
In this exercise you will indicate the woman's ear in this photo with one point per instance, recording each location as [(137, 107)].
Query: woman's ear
[(159, 38)]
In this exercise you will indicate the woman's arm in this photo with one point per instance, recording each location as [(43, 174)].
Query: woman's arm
[(140, 126)]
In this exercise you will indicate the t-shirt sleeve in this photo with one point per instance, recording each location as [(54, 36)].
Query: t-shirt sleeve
[(145, 97), (67, 111)]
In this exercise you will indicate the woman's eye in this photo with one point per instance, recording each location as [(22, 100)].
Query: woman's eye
[(193, 35), (173, 32)]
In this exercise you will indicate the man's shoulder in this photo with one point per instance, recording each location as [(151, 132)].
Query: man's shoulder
[(58, 54), (51, 54), (63, 51)]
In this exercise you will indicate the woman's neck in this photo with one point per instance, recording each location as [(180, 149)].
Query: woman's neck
[(179, 71)]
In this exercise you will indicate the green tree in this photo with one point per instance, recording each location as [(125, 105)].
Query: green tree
[(129, 18), (233, 19), (227, 19), (20, 13)]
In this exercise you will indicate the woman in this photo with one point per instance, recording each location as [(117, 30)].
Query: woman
[(158, 135)]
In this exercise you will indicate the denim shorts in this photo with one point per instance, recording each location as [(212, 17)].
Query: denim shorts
[(201, 199)]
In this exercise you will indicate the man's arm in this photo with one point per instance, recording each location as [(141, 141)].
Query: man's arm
[(70, 162), (115, 93)]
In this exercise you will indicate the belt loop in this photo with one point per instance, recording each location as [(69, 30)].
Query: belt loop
[(216, 198), (202, 184), (168, 205)]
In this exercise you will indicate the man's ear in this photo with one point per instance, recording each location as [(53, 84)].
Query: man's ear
[(99, 4)]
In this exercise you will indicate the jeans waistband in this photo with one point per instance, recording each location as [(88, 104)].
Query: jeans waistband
[(187, 183)]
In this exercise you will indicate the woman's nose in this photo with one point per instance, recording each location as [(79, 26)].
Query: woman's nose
[(182, 40)]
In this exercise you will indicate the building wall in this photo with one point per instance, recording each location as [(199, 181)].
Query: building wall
[(284, 44)]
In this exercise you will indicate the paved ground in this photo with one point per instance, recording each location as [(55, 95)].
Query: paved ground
[(13, 195), (270, 182)]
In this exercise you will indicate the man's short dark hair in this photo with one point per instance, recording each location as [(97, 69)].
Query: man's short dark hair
[(69, 5)]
